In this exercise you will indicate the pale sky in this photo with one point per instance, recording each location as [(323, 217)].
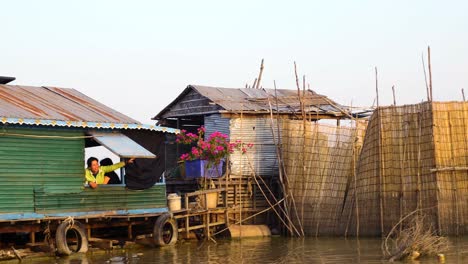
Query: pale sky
[(138, 56)]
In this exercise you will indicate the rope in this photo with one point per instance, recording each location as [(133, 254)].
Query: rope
[(48, 238), (70, 221)]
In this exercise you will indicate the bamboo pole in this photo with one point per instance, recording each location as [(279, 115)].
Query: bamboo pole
[(425, 79), (356, 200), (465, 136), (354, 203), (418, 174), (277, 153), (254, 83), (280, 162), (268, 200), (394, 98), (381, 161), (436, 175), (453, 176), (241, 169), (302, 100), (430, 69), (252, 216), (403, 145), (301, 103), (259, 75), (297, 81), (285, 178)]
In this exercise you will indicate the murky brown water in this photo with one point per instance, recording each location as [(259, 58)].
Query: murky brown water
[(258, 250)]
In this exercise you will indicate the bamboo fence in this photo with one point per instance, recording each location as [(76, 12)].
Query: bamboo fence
[(414, 157), (319, 166)]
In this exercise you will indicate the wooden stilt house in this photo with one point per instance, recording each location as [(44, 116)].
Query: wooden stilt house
[(246, 115)]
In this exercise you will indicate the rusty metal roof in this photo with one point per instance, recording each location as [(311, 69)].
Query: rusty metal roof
[(256, 100), (52, 106)]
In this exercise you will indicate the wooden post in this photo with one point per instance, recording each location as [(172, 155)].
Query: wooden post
[(394, 98), (226, 211), (32, 237), (206, 217), (130, 231), (463, 94), (187, 222)]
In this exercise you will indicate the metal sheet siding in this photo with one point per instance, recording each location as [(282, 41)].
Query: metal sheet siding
[(121, 145), (262, 157), (30, 159), (104, 198), (216, 122)]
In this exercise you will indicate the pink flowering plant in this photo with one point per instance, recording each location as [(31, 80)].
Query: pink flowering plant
[(213, 149)]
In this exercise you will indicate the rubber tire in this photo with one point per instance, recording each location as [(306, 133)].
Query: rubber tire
[(61, 238), (164, 224)]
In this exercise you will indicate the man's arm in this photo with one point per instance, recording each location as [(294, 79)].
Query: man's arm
[(110, 168), (119, 165), (93, 185)]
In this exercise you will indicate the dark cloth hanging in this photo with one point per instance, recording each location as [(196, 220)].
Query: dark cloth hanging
[(144, 173)]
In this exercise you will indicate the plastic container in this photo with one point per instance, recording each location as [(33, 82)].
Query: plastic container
[(201, 168), (209, 200), (174, 202)]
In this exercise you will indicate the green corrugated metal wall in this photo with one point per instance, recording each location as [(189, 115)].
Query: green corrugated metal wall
[(101, 199), (46, 175), (28, 163)]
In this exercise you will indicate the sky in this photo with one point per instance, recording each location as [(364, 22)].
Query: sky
[(138, 56)]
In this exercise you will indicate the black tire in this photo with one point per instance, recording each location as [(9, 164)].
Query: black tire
[(75, 233), (165, 231)]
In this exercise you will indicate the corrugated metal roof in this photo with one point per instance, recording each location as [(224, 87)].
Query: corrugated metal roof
[(256, 100), (52, 106)]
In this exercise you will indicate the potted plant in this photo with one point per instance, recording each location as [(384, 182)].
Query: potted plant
[(207, 155)]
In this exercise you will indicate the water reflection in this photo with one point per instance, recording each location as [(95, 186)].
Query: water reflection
[(261, 250)]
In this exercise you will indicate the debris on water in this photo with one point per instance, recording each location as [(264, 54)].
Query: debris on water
[(415, 255), (441, 258), (115, 260)]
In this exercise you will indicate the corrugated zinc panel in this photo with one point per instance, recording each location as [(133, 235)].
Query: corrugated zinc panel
[(31, 158), (216, 122), (103, 198), (262, 156), (56, 104), (52, 106), (121, 145)]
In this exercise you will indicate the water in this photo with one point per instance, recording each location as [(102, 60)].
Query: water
[(257, 250)]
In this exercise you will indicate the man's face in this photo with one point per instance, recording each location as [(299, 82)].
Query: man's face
[(94, 167)]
